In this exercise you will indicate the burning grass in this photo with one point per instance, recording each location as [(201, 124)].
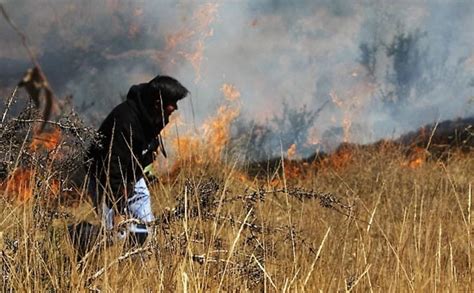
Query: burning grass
[(361, 219), (373, 225)]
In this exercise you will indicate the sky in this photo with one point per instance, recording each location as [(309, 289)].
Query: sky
[(276, 53)]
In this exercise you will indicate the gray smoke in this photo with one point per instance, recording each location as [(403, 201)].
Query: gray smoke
[(305, 52)]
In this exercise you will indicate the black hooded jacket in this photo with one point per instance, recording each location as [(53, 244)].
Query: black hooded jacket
[(128, 139)]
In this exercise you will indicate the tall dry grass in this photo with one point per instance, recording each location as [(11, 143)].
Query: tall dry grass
[(407, 229)]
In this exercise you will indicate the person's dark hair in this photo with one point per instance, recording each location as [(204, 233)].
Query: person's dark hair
[(169, 88)]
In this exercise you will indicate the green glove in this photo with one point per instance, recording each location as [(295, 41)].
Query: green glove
[(150, 171)]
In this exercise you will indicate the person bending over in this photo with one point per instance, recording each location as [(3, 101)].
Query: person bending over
[(129, 136)]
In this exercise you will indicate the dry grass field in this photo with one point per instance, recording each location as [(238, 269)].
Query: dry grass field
[(392, 216), (378, 221), (386, 217)]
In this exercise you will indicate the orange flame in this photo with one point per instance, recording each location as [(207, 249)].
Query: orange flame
[(292, 171), (352, 103), (217, 130), (230, 92), (243, 178), (188, 148), (296, 170), (187, 43), (347, 119), (46, 140), (21, 182), (416, 158), (206, 144), (201, 29), (340, 159)]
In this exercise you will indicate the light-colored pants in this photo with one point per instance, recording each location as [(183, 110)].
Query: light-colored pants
[(138, 207)]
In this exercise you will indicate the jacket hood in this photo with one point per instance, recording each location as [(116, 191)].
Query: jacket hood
[(145, 104)]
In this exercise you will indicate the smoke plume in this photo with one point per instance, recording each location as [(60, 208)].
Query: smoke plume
[(380, 67)]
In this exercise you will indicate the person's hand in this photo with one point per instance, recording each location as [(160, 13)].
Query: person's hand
[(150, 173)]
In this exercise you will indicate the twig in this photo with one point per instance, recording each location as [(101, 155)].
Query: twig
[(431, 136), (64, 126), (265, 272), (316, 257), (327, 200), (366, 271), (251, 226), (9, 103), (117, 260), (103, 241), (23, 37), (232, 249), (55, 123)]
